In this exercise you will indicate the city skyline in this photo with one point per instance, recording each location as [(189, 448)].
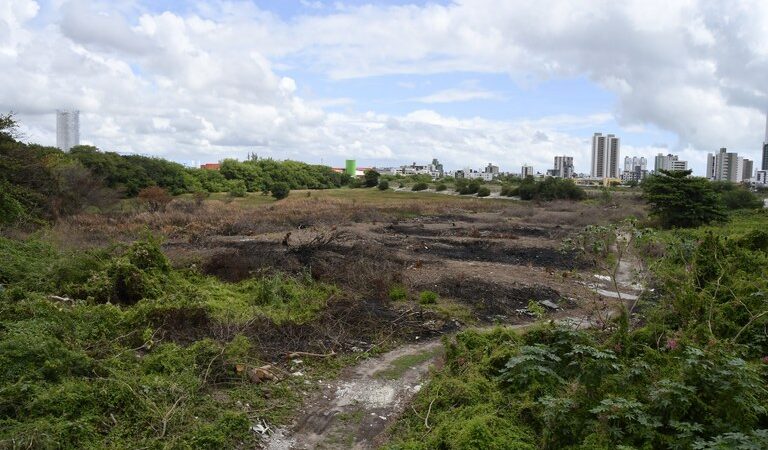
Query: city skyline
[(387, 82)]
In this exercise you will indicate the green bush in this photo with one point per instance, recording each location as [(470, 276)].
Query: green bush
[(740, 198), (280, 190), (237, 188), (508, 190), (427, 297), (549, 189), (383, 185), (371, 178), (420, 186), (441, 187), (398, 292), (483, 192)]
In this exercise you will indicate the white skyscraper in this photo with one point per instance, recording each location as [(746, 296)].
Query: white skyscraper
[(67, 129), (605, 156)]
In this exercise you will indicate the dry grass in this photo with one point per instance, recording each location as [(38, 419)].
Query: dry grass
[(183, 220)]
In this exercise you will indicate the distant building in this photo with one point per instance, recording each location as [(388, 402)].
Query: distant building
[(726, 166), (210, 166), (526, 171), (747, 168), (635, 169), (761, 177), (669, 163), (764, 165), (435, 169), (605, 156), (490, 168), (563, 167), (67, 129)]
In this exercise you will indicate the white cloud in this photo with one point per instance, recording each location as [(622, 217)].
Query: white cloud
[(205, 85), (458, 95)]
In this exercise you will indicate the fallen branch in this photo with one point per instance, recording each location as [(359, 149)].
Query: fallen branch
[(292, 355)]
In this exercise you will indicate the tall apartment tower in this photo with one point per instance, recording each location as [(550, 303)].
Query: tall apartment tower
[(67, 129), (563, 167), (605, 156), (724, 166), (764, 165)]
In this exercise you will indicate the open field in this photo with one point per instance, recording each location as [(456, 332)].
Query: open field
[(305, 286)]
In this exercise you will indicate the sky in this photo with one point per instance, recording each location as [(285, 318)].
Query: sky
[(388, 83)]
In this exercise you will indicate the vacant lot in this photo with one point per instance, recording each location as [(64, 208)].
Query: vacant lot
[(303, 286)]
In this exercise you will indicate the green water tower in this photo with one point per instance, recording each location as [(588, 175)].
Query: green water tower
[(351, 167)]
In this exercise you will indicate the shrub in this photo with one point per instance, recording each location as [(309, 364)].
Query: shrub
[(483, 192), (740, 198), (441, 187), (427, 297), (398, 292), (154, 198), (550, 189), (237, 188), (371, 178), (466, 187), (420, 186), (509, 190), (383, 185), (280, 190)]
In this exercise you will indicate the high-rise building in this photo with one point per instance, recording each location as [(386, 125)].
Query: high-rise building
[(635, 168), (635, 161), (747, 167), (605, 156), (526, 171), (764, 165), (67, 129), (725, 166), (563, 167), (669, 163)]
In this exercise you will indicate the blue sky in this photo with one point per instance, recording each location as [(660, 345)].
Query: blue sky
[(387, 83)]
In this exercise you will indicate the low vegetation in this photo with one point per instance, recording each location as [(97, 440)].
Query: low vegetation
[(690, 374)]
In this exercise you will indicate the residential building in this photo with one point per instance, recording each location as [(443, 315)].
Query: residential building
[(67, 129), (669, 163), (764, 165), (605, 156), (526, 171), (726, 166), (747, 168), (761, 177), (563, 167), (490, 168), (210, 166), (635, 169)]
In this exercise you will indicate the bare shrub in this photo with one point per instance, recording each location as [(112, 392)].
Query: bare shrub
[(154, 198)]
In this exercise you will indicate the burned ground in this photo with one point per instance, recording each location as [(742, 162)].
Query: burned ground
[(494, 301)]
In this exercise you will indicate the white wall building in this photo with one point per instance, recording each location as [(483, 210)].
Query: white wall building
[(605, 156), (669, 163), (67, 129)]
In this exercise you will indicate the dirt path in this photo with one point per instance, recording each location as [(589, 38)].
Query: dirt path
[(353, 411)]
